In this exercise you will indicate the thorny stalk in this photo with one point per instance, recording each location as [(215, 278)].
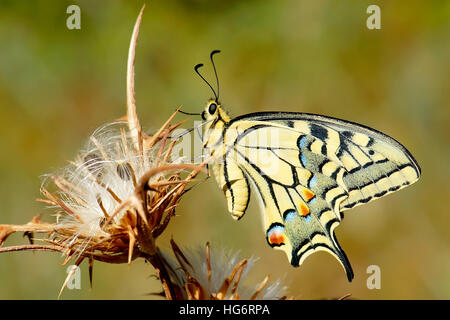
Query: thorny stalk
[(120, 229)]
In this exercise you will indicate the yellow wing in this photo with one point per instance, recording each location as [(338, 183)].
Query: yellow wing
[(307, 169)]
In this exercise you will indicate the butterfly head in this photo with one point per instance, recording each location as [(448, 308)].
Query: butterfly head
[(214, 112)]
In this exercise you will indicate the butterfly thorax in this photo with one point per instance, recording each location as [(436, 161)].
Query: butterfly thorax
[(216, 122)]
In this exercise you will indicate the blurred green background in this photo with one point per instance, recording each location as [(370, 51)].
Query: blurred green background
[(58, 85)]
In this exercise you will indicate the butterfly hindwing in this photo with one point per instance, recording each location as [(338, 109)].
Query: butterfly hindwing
[(298, 200)]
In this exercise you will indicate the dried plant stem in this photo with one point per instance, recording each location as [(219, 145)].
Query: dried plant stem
[(158, 263), (33, 247), (120, 258)]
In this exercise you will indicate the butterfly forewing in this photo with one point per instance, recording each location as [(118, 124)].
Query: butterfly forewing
[(375, 164)]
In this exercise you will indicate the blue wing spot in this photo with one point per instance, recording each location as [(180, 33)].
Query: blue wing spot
[(303, 159), (277, 228), (289, 215), (302, 142), (313, 182), (307, 218)]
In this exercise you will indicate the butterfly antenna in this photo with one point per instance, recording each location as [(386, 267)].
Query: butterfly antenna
[(215, 72), (196, 70)]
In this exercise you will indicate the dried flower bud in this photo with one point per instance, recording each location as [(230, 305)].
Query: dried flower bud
[(217, 274)]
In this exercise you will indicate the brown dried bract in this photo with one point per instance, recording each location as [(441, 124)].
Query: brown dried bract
[(129, 230)]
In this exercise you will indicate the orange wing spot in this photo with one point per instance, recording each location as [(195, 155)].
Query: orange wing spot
[(308, 194), (276, 238), (304, 210)]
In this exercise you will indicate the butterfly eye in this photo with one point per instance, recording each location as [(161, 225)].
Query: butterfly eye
[(212, 108)]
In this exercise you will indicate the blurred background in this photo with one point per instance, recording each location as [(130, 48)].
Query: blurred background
[(57, 85)]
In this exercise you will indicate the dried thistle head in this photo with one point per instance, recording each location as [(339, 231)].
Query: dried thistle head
[(115, 199), (213, 274)]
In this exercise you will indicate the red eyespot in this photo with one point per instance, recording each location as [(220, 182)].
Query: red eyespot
[(276, 236)]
